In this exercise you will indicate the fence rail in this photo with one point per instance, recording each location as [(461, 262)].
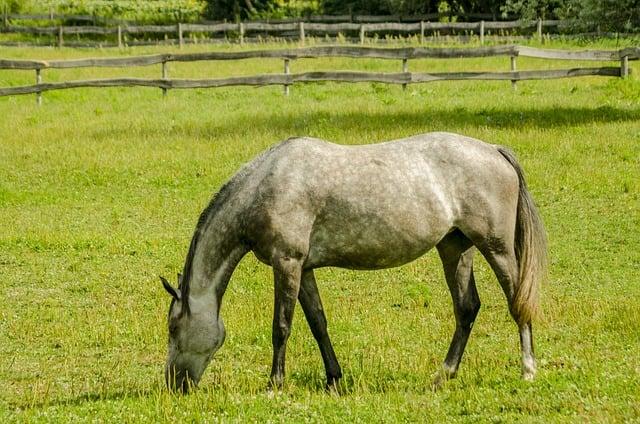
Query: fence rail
[(286, 79), (52, 16), (300, 29)]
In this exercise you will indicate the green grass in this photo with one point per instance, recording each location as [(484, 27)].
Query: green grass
[(100, 191)]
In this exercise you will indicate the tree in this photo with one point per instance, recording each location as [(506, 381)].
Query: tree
[(605, 15), (252, 9), (535, 9)]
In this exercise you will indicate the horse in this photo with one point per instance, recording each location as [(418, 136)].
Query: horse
[(307, 203)]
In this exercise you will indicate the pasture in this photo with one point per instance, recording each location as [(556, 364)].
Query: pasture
[(100, 190)]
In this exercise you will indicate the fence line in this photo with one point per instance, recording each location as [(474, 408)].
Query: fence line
[(286, 79), (51, 16), (632, 53), (300, 29)]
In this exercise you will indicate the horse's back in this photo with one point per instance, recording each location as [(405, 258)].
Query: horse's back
[(377, 205)]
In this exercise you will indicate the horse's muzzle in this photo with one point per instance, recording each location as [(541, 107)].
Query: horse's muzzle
[(179, 381)]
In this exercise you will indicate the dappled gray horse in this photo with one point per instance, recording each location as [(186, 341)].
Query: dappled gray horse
[(306, 203)]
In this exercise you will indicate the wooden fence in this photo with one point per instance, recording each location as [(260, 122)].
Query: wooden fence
[(287, 78), (298, 30), (96, 19)]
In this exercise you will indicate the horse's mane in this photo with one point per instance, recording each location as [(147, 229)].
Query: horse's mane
[(218, 200), (214, 205)]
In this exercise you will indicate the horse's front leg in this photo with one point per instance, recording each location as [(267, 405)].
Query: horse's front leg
[(287, 272), (312, 306)]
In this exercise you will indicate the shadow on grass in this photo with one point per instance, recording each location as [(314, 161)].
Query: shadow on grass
[(310, 122), (326, 122), (88, 397)]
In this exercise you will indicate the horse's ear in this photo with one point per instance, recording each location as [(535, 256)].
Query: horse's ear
[(179, 279), (173, 292)]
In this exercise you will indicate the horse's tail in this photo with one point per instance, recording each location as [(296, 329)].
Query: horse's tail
[(530, 249)]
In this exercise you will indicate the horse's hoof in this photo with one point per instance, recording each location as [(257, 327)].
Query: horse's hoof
[(333, 388), (528, 375), (529, 371), (275, 385), (440, 379)]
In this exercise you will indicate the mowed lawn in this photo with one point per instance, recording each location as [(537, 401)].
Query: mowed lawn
[(100, 190)]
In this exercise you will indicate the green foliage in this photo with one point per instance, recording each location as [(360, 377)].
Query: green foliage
[(606, 15), (535, 9), (257, 9), (143, 11), (586, 15), (413, 7)]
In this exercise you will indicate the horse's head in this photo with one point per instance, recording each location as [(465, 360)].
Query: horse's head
[(195, 334)]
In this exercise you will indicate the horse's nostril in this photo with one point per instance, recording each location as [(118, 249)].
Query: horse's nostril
[(173, 378), (185, 386)]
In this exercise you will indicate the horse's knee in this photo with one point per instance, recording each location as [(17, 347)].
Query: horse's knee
[(280, 331), (468, 312)]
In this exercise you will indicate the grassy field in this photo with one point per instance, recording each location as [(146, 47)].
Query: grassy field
[(100, 191)]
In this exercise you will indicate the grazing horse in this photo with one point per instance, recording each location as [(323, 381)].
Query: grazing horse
[(307, 203)]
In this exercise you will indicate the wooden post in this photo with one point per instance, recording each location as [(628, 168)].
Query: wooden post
[(119, 36), (5, 14), (180, 40), (286, 71), (513, 69), (241, 30), (405, 69), (539, 29), (51, 13), (481, 33), (421, 32), (60, 37), (38, 81), (624, 67), (165, 75), (302, 33), (362, 34)]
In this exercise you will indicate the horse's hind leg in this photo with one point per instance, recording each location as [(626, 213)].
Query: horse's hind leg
[(505, 265), (456, 252), (312, 306)]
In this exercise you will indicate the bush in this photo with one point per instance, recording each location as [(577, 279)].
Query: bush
[(145, 11)]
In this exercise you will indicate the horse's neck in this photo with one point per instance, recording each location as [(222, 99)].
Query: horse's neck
[(217, 254)]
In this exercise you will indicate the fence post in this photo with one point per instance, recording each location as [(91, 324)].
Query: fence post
[(302, 33), (180, 40), (60, 37), (286, 71), (38, 81), (481, 33), (165, 75), (539, 29), (119, 36), (5, 14), (421, 32), (624, 67), (513, 69), (51, 13), (362, 34), (405, 69), (241, 30)]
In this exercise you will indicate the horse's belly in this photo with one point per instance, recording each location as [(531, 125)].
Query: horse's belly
[(373, 244), (366, 258)]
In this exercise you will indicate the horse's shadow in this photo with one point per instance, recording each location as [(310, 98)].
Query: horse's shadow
[(87, 397)]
